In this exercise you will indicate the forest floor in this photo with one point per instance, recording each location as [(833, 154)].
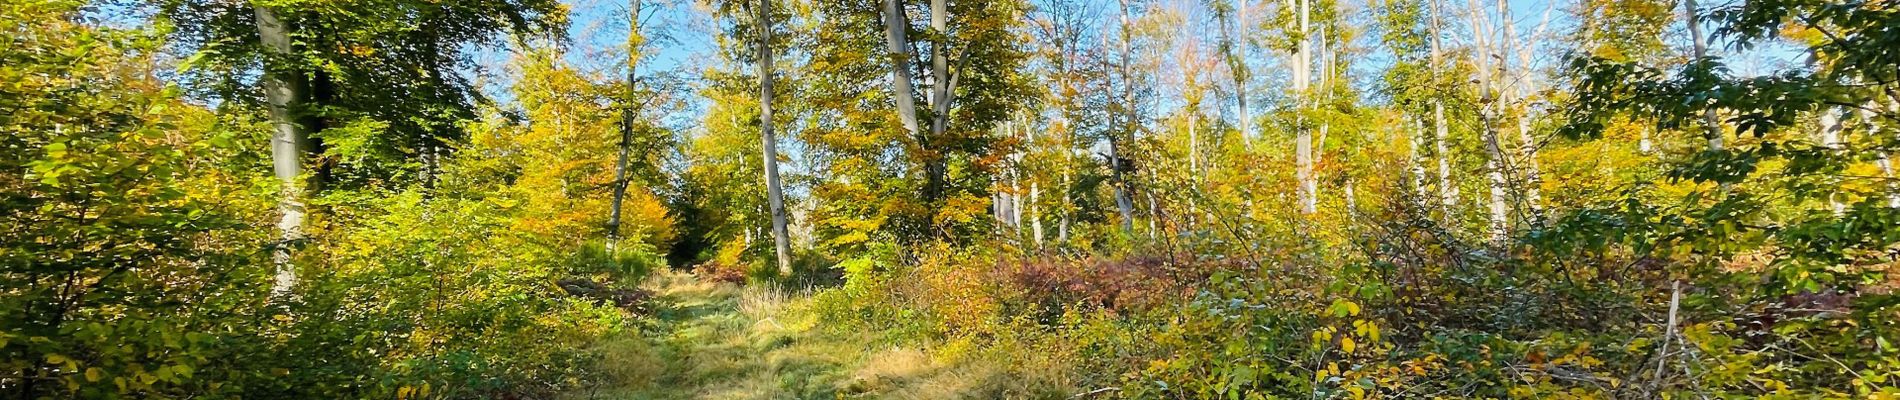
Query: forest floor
[(706, 340)]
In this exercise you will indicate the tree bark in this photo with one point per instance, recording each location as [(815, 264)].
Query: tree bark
[(1711, 125), (1447, 190), (1417, 159), (284, 90), (1237, 67), (1488, 106), (1831, 139), (775, 197), (896, 26), (627, 117), (1127, 127), (1303, 142)]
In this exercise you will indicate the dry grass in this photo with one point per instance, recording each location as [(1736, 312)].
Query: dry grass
[(710, 340)]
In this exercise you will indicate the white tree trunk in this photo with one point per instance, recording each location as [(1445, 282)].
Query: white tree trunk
[(1240, 82), (781, 244), (1831, 138), (1123, 203), (943, 86), (1303, 142), (1414, 147), (284, 91), (1488, 107), (1447, 190), (1711, 124), (1035, 213), (1526, 86), (1886, 159), (895, 27)]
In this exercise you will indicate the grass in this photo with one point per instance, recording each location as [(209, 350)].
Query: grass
[(720, 341)]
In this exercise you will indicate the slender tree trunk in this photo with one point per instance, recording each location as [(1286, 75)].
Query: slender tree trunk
[(1447, 190), (1194, 146), (1238, 68), (628, 115), (943, 86), (1831, 138), (1303, 142), (1494, 169), (775, 197), (1488, 106), (1526, 86), (896, 26), (1068, 139), (1122, 200), (1035, 213), (1711, 125), (1414, 157), (284, 90)]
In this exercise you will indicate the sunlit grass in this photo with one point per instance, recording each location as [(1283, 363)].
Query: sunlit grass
[(709, 340)]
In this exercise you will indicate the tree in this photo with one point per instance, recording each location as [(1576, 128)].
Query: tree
[(363, 94), (116, 209), (970, 53), (285, 91), (1302, 70), (769, 154), (627, 122), (1062, 30)]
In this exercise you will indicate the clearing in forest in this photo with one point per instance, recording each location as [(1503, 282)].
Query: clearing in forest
[(709, 340)]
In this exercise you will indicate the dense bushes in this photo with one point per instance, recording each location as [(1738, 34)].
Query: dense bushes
[(135, 233), (1412, 311)]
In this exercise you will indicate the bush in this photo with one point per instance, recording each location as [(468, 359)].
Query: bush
[(630, 262)]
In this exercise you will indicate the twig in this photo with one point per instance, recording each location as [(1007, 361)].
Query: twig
[(1662, 354)]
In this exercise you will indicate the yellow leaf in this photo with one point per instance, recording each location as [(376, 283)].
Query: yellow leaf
[(1347, 344), (92, 374)]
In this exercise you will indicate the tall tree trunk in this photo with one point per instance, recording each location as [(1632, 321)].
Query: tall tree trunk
[(1123, 202), (1414, 157), (1194, 145), (1238, 68), (775, 197), (1526, 88), (1035, 213), (1064, 47), (942, 87), (1488, 106), (896, 26), (285, 90), (1303, 142), (1447, 190), (1712, 126), (1831, 139), (628, 116)]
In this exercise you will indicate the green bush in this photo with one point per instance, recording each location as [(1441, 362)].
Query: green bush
[(629, 262)]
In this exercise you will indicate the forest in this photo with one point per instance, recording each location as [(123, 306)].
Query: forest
[(949, 199)]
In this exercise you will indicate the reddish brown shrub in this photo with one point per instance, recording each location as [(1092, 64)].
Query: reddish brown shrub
[(1122, 284), (715, 271)]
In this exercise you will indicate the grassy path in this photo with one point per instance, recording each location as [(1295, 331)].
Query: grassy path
[(720, 341)]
